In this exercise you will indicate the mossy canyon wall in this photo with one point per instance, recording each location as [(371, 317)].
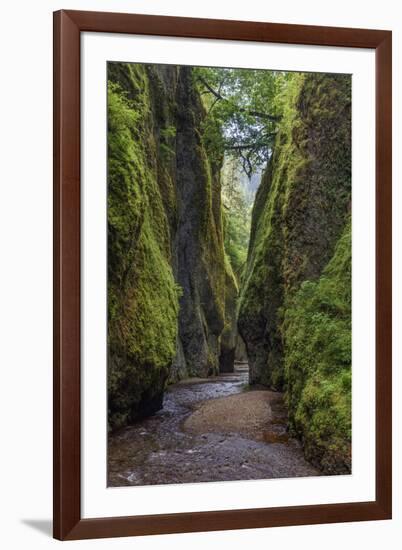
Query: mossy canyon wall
[(167, 275), (174, 309), (295, 303)]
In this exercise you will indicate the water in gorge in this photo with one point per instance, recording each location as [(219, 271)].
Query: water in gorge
[(160, 449)]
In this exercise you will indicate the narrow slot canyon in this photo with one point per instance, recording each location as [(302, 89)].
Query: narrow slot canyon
[(229, 274)]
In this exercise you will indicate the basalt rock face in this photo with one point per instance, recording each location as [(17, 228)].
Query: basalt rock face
[(198, 241), (299, 218), (166, 268), (240, 351), (142, 292), (229, 334)]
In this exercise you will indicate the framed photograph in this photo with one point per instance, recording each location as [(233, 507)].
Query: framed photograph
[(222, 275)]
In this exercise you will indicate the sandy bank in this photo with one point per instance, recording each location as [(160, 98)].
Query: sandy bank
[(246, 413)]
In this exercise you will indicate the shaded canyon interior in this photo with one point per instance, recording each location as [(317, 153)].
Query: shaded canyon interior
[(178, 308)]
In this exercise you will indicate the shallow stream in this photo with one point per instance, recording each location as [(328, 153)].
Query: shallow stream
[(157, 450)]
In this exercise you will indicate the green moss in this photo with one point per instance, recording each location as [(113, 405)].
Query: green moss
[(317, 332), (142, 293), (264, 283), (295, 303), (299, 212), (229, 333), (199, 239), (212, 251), (165, 241)]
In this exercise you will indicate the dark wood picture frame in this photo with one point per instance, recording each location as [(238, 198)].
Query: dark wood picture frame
[(68, 26)]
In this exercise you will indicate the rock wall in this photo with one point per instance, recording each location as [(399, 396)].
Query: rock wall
[(229, 334), (240, 351), (300, 213), (317, 333), (198, 241), (166, 266)]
